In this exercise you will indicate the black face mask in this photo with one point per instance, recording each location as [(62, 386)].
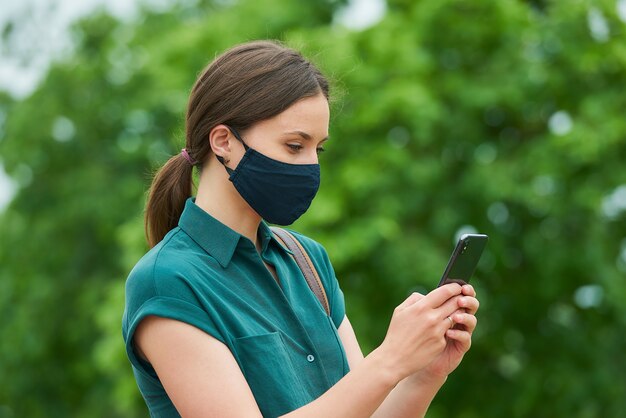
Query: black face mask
[(279, 192)]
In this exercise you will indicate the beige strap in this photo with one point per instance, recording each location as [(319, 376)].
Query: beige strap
[(306, 265)]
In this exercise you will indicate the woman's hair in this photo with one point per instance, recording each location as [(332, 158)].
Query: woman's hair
[(249, 83)]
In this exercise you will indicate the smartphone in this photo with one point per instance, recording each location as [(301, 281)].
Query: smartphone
[(464, 259)]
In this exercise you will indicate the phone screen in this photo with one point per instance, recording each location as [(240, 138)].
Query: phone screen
[(464, 259)]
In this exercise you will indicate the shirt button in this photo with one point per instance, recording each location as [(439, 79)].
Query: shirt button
[(310, 358)]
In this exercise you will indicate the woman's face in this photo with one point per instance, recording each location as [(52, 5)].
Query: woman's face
[(294, 136)]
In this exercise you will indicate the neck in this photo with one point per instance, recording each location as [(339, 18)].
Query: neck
[(218, 197)]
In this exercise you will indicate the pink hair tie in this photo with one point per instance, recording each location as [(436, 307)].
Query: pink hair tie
[(187, 156)]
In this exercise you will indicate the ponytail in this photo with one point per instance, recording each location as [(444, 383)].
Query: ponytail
[(170, 189)]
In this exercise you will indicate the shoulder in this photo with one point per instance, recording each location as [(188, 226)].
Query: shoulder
[(164, 271), (167, 282), (142, 276), (318, 255), (312, 247)]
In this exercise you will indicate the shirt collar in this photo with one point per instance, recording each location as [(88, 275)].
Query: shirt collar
[(217, 239), (266, 235)]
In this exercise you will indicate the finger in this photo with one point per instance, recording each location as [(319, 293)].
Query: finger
[(448, 308), (466, 321), (445, 312), (458, 311), (468, 290), (413, 297), (441, 294), (463, 337), (469, 303)]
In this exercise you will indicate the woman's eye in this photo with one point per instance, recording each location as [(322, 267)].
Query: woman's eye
[(300, 147)]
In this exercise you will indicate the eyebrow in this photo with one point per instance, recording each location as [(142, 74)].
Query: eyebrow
[(304, 135)]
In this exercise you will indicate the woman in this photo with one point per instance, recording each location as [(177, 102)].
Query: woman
[(219, 321)]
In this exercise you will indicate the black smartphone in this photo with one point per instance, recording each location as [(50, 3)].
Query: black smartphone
[(464, 259)]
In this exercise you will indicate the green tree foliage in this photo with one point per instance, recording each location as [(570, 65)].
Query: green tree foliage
[(497, 116)]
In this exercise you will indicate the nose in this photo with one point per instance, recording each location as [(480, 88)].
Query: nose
[(312, 157)]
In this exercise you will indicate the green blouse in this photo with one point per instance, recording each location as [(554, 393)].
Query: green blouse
[(207, 275)]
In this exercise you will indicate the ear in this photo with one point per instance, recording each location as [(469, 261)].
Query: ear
[(219, 139)]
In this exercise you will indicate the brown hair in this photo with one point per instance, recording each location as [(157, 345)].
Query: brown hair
[(245, 85)]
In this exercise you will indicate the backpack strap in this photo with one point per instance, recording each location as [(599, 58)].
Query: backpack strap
[(304, 262)]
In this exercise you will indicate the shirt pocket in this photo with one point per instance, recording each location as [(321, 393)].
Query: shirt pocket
[(270, 373)]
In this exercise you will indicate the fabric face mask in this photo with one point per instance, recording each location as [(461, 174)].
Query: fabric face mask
[(279, 192)]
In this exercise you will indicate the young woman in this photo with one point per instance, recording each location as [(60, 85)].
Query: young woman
[(219, 320)]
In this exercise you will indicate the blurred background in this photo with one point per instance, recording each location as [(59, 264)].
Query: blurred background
[(498, 116)]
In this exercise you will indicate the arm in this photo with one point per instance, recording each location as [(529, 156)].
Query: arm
[(203, 379), (413, 395), (194, 366), (198, 372)]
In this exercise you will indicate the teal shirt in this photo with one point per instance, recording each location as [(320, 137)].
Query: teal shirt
[(205, 274)]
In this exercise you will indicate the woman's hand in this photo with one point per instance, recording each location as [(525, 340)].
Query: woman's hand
[(416, 338), (458, 337)]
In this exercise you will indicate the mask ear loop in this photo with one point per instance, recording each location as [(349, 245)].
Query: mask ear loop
[(236, 135), (245, 147)]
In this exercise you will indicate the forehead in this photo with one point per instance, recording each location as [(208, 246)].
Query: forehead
[(310, 115)]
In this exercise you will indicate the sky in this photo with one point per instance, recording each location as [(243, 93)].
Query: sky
[(42, 35)]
